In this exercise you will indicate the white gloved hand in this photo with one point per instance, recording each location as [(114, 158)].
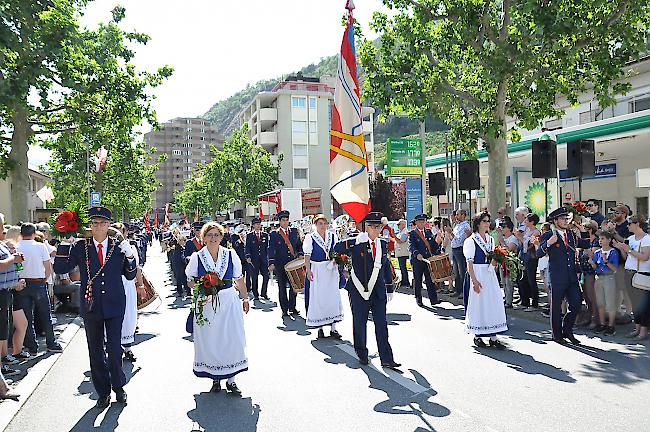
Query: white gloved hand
[(362, 238), (126, 249), (390, 296)]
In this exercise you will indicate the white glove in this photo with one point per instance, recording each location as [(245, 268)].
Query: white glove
[(390, 296), (126, 249), (362, 238)]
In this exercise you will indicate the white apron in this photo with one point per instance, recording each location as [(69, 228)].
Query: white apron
[(220, 345), (325, 306), (485, 311), (131, 309)]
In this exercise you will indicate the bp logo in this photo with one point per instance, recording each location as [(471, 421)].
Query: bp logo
[(534, 199)]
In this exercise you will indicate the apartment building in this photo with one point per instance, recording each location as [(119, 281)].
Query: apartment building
[(186, 141), (36, 208), (293, 119)]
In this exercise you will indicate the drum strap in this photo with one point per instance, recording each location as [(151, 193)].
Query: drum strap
[(285, 236), (197, 244), (426, 242)]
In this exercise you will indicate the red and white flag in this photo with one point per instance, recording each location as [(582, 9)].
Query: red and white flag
[(167, 220), (348, 157), (100, 158)]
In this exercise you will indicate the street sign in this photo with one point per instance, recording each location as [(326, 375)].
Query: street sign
[(568, 196), (404, 157), (95, 199), (413, 198)]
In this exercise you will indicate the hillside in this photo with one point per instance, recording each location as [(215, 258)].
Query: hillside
[(435, 144)]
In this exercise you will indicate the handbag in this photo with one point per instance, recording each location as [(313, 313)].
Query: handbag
[(640, 280), (189, 324)]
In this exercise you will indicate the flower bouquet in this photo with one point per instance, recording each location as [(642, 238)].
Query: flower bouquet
[(206, 289), (577, 209), (342, 260), (69, 223), (506, 258)]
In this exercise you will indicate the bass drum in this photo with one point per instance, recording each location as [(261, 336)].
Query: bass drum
[(149, 296), (296, 274)]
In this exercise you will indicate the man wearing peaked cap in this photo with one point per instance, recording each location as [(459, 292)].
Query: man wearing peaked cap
[(423, 244), (369, 287), (102, 262), (284, 246), (256, 257), (192, 245), (560, 245)]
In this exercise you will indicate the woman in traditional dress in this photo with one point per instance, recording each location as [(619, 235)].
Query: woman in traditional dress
[(485, 314), (131, 309), (322, 296), (219, 344)]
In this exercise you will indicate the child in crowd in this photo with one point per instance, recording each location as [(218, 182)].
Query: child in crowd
[(605, 262)]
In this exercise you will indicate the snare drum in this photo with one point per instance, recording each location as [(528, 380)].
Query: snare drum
[(440, 268), (296, 274)]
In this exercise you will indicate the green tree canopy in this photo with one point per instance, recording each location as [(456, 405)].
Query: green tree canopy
[(475, 64), (82, 79)]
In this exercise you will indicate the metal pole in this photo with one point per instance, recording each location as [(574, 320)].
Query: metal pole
[(88, 169), (546, 199), (580, 188), (423, 136)]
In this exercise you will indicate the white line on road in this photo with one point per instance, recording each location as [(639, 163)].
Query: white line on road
[(391, 374)]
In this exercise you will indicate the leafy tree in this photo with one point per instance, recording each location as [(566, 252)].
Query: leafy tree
[(82, 79), (239, 173), (381, 197), (475, 64)]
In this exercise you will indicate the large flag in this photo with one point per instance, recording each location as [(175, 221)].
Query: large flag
[(155, 219), (348, 158), (146, 221)]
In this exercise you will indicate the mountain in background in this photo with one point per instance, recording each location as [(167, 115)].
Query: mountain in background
[(224, 113)]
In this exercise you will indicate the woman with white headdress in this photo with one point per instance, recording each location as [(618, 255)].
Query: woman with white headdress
[(322, 295)]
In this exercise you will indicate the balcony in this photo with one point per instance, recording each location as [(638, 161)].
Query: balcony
[(367, 127), (268, 139), (268, 115)]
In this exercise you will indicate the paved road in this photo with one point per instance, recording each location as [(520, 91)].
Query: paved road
[(297, 383)]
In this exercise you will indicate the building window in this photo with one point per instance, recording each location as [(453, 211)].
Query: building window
[(176, 152), (554, 124), (312, 103), (298, 102), (300, 173), (639, 105), (300, 150), (313, 127), (299, 126)]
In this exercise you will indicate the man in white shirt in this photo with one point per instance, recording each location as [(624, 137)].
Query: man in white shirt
[(35, 299)]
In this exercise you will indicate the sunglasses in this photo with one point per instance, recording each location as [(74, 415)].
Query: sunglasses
[(590, 205), (485, 220)]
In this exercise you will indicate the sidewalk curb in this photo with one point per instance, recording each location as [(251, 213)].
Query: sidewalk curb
[(25, 388)]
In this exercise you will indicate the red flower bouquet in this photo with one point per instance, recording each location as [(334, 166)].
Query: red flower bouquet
[(577, 209), (506, 258), (342, 260), (206, 289), (69, 223)]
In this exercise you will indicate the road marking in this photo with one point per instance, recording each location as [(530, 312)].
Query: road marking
[(389, 373)]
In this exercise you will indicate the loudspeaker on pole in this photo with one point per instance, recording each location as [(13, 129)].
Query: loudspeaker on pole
[(468, 175), (437, 184), (581, 158), (544, 159)]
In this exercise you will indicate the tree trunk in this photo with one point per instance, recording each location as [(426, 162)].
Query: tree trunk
[(19, 174), (498, 157)]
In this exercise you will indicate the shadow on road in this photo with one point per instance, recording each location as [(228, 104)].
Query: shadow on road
[(108, 423), (264, 306), (224, 412), (295, 323), (527, 364), (400, 400), (614, 367)]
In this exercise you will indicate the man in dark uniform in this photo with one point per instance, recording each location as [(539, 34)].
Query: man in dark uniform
[(284, 246), (237, 239), (560, 245), (194, 244), (102, 262), (257, 243), (178, 267), (370, 286), (423, 244)]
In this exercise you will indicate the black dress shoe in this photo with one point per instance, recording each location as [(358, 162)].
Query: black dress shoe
[(435, 302), (321, 334), (478, 342), (571, 338), (232, 388), (216, 387), (559, 341), (120, 396), (496, 343), (335, 335), (266, 297), (103, 402), (294, 312), (419, 303), (129, 356), (285, 314), (363, 361), (391, 365)]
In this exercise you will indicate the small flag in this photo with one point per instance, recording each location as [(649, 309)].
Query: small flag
[(155, 219), (100, 158), (146, 221), (185, 217), (167, 220), (196, 215), (348, 157)]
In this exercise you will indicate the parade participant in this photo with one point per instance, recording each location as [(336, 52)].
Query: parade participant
[(322, 296), (485, 314), (423, 244), (220, 344), (102, 262), (194, 244), (560, 246), (130, 320), (238, 242), (178, 264), (257, 244), (284, 246), (369, 287)]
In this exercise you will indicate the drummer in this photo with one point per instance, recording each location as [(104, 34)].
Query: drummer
[(284, 246), (423, 243), (322, 297)]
